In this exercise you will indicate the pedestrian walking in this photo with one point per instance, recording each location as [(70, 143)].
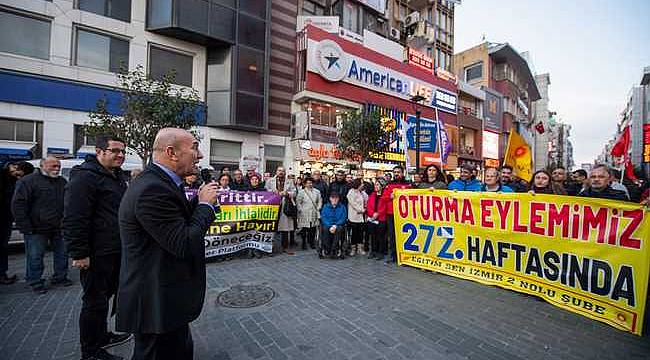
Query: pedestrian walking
[(492, 182), (333, 218), (162, 278), (399, 182), (467, 181), (10, 174), (376, 215), (434, 178), (357, 201), (309, 205), (600, 178), (92, 200), (284, 187)]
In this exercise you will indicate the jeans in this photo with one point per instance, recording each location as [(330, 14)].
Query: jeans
[(99, 283), (35, 246), (5, 235)]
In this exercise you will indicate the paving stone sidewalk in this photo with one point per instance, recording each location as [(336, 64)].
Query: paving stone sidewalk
[(332, 309)]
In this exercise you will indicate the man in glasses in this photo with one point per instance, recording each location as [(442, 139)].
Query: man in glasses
[(90, 229)]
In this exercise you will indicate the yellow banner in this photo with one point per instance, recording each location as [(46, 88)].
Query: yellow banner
[(588, 256)]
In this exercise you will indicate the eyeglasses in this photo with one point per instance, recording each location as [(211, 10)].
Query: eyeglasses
[(116, 151)]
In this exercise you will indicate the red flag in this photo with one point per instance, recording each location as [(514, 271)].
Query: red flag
[(622, 145), (629, 170), (540, 127)]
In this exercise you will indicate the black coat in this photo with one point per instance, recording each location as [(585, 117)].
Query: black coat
[(342, 188), (162, 275), (607, 193), (38, 203), (7, 188), (92, 199), (322, 187)]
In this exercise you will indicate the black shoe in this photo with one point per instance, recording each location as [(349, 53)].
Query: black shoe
[(8, 280), (103, 355), (116, 339), (39, 289), (63, 282)]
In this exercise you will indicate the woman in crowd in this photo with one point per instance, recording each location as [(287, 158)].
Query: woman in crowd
[(492, 182), (357, 200), (376, 214), (309, 203), (433, 178), (542, 184), (224, 182)]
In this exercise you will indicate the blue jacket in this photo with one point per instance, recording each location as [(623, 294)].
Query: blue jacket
[(461, 185), (330, 215), (502, 188)]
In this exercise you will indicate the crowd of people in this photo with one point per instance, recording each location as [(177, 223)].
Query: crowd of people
[(104, 220)]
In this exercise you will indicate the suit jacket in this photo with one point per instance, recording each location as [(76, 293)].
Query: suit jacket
[(162, 275)]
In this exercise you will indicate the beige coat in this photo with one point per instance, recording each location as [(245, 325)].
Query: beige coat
[(357, 202), (285, 223), (309, 203)]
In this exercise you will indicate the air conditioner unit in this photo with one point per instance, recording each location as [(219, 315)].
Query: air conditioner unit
[(412, 18), (300, 126), (394, 33)]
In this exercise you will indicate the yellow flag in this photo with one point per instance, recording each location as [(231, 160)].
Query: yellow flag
[(519, 156)]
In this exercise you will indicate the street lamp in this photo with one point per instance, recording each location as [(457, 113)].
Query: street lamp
[(416, 100)]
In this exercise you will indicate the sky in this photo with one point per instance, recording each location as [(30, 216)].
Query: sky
[(594, 51)]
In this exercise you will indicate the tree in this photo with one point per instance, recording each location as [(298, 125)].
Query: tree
[(360, 134), (147, 105)]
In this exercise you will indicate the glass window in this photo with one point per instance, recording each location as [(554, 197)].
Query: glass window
[(116, 9), (81, 138), (221, 23), (222, 151), (16, 130), (24, 35), (474, 72), (103, 52), (193, 15), (162, 62), (275, 151), (218, 110), (254, 7), (311, 8), (159, 13), (272, 165), (251, 70), (351, 17), (252, 31), (250, 110)]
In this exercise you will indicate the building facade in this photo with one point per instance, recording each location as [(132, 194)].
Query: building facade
[(235, 54)]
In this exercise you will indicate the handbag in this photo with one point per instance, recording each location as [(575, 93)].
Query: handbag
[(289, 208)]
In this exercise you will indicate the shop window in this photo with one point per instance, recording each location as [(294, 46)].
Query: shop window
[(101, 51), (116, 9), (81, 138), (24, 35), (224, 152), (474, 72), (163, 61), (273, 157), (250, 75), (467, 142)]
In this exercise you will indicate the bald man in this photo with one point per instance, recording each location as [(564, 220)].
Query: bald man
[(162, 277), (37, 206)]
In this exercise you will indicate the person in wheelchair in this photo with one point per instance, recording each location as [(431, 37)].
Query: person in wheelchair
[(333, 218)]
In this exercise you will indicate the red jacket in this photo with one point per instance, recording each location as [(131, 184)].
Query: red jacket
[(380, 203), (388, 191)]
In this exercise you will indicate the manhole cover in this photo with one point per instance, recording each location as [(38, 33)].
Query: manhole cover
[(246, 296)]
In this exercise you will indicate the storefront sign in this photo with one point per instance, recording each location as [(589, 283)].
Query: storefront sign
[(350, 36), (387, 156), (325, 152), (493, 111), (418, 59), (446, 75), (332, 63), (327, 23), (490, 148), (646, 143)]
